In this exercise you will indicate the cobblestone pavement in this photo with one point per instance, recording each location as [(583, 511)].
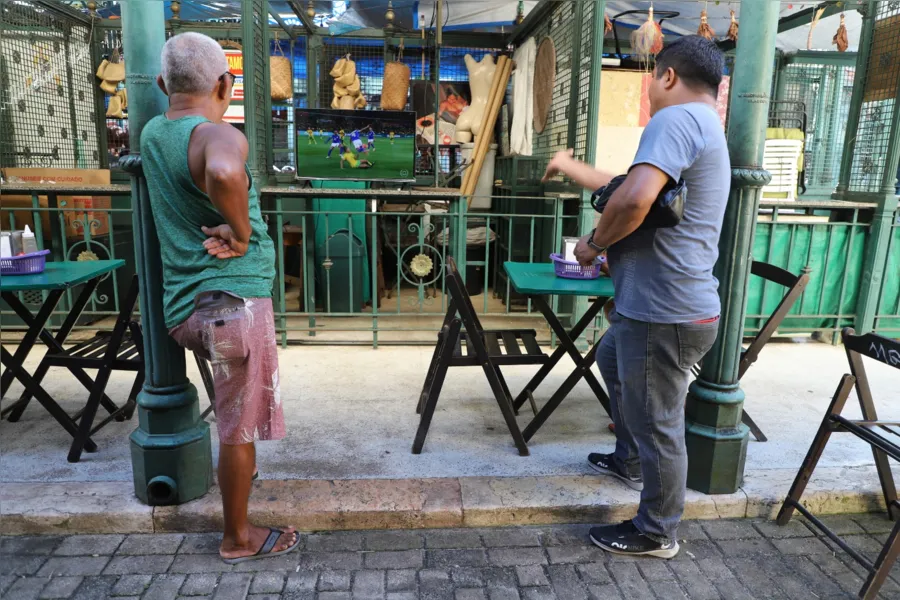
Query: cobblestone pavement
[(727, 559)]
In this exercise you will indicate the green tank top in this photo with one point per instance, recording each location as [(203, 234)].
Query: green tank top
[(179, 209)]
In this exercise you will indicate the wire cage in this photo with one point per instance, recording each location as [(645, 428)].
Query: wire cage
[(816, 99), (47, 103), (880, 85)]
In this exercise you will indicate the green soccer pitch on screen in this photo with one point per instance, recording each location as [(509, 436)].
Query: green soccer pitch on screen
[(361, 145)]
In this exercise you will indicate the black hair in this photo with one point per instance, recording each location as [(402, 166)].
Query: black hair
[(696, 60)]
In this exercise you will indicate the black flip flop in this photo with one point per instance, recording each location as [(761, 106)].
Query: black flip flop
[(265, 550)]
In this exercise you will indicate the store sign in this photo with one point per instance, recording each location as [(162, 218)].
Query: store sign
[(236, 66), (235, 112)]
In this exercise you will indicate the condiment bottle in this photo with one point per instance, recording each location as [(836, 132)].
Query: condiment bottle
[(29, 244)]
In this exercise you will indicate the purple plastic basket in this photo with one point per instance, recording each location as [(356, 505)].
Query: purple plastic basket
[(573, 270), (27, 264)]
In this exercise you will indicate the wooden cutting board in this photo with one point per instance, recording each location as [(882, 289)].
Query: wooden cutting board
[(544, 81)]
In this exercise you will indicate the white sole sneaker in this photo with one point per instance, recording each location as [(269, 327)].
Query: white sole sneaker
[(637, 486), (666, 552)]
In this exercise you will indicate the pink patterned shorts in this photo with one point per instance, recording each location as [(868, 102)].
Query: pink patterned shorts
[(237, 336)]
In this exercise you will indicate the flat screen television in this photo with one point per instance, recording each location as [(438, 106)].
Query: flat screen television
[(360, 145)]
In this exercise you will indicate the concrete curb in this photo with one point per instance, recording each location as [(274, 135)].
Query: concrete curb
[(317, 505)]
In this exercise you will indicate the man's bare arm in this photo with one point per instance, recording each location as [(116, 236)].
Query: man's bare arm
[(225, 152), (629, 204), (581, 173)]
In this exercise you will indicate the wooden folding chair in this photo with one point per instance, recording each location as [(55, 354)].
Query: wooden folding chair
[(475, 347), (870, 430), (207, 377), (795, 285), (118, 350)]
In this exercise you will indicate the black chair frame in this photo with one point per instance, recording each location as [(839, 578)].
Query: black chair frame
[(488, 349), (795, 285), (870, 430), (118, 350)]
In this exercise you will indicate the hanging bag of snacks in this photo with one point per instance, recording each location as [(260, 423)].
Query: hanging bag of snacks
[(115, 68), (281, 75), (395, 86)]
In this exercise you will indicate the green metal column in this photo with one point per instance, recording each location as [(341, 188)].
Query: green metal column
[(875, 261), (716, 438), (313, 51), (586, 211), (257, 101), (856, 99), (170, 450)]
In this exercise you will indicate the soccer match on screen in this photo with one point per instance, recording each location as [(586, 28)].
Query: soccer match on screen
[(357, 144)]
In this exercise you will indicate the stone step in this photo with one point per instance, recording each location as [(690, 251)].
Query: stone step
[(325, 505)]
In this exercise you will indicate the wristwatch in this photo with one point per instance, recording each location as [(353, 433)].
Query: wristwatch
[(590, 242)]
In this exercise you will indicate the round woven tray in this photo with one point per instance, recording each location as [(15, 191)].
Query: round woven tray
[(544, 81)]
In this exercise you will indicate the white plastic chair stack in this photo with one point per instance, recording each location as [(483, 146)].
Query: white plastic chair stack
[(781, 159)]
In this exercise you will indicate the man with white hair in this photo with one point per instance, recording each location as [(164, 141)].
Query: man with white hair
[(218, 268)]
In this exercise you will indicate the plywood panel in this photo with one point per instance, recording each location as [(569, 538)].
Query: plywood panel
[(620, 98), (616, 147)]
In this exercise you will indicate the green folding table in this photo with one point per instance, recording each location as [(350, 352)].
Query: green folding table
[(55, 280), (537, 281)]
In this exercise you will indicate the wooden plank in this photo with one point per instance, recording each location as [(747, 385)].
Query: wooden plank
[(531, 345), (511, 343), (493, 346)]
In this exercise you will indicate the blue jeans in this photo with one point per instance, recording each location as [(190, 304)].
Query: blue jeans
[(646, 368)]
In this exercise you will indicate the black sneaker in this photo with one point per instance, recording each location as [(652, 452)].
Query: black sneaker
[(625, 538), (604, 463)]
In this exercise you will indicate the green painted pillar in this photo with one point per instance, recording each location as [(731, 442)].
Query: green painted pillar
[(716, 438), (875, 260), (257, 101), (170, 450), (586, 213)]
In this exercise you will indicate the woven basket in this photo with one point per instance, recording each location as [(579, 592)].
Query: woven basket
[(395, 89), (281, 76)]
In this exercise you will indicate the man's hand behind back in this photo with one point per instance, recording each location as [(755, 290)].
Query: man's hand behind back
[(222, 243)]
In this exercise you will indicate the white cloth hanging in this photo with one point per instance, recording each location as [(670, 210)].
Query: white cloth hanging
[(522, 128)]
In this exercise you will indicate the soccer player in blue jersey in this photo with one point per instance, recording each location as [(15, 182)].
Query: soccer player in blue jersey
[(371, 140), (335, 143), (357, 142)]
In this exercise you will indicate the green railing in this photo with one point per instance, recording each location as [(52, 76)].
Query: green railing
[(823, 239), (887, 318), (387, 253), (72, 234), (397, 298)]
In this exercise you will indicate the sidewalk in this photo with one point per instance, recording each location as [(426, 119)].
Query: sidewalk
[(726, 559), (346, 461)]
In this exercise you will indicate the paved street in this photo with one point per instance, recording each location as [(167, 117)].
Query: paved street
[(728, 559)]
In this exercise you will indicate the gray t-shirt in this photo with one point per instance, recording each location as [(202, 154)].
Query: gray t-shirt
[(665, 275)]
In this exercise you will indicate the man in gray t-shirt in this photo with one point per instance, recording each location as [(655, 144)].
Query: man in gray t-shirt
[(667, 303)]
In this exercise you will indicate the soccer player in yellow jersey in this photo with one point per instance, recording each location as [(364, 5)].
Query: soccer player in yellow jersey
[(312, 138), (351, 159), (391, 136)]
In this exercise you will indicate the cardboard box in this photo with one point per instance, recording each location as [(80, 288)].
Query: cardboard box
[(76, 210)]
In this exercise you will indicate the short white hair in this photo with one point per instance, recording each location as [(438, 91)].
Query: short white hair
[(192, 63)]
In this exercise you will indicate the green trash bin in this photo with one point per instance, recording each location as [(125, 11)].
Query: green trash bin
[(341, 275)]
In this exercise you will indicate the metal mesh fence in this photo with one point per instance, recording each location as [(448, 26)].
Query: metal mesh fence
[(284, 134), (880, 85), (560, 27), (823, 92), (47, 108), (584, 80), (115, 128)]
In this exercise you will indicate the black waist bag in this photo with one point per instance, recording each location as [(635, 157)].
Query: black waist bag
[(667, 209)]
